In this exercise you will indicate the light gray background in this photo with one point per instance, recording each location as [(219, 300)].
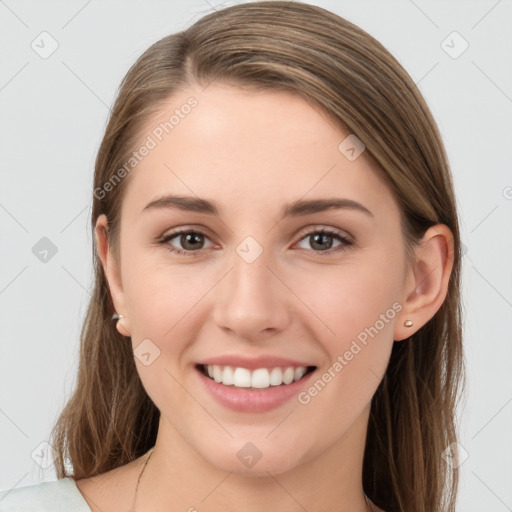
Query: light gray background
[(53, 117)]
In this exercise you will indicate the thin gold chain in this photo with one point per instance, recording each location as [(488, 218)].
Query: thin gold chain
[(140, 476)]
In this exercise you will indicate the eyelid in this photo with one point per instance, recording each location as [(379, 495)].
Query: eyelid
[(323, 227), (195, 228)]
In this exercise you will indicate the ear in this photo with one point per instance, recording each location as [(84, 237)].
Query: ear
[(427, 280), (112, 273)]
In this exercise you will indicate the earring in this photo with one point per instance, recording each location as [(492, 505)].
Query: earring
[(408, 323), (121, 329)]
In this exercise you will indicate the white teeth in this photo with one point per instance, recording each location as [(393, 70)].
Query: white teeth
[(261, 378), (288, 375), (299, 373), (217, 374), (227, 376), (276, 377), (241, 378)]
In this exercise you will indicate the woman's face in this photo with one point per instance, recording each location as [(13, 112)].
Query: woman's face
[(257, 289)]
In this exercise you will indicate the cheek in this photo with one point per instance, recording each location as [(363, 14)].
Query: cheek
[(160, 301), (352, 296), (158, 292), (358, 308)]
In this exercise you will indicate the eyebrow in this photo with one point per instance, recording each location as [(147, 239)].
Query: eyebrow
[(295, 209)]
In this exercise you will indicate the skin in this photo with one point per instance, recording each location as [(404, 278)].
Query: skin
[(253, 153)]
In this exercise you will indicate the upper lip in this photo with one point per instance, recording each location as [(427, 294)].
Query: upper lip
[(253, 363)]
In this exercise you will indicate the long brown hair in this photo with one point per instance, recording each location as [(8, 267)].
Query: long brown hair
[(296, 47)]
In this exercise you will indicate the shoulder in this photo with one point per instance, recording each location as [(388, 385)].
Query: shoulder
[(58, 496)]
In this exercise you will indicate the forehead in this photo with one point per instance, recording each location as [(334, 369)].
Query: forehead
[(247, 149)]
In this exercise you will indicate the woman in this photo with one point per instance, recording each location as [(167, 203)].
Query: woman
[(307, 353)]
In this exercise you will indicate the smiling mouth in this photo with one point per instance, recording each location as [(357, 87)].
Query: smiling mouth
[(261, 378)]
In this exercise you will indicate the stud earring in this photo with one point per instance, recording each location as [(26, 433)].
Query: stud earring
[(121, 329), (408, 323)]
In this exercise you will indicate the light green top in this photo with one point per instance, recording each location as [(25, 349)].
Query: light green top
[(59, 496)]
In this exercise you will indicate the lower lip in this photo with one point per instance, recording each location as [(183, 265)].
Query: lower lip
[(252, 400)]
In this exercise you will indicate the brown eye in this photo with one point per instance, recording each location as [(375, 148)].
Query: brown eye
[(322, 240), (191, 241)]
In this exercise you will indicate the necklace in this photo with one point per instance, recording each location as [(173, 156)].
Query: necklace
[(140, 476), (368, 504)]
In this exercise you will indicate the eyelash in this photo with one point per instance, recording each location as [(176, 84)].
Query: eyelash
[(346, 242)]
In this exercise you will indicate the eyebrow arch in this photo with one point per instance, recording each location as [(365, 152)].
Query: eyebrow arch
[(295, 209)]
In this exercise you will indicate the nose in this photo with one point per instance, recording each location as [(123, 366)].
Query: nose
[(253, 301)]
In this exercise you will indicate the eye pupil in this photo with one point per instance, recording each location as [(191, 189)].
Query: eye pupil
[(322, 237), (187, 237)]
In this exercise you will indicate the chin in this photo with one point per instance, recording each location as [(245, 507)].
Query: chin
[(248, 460)]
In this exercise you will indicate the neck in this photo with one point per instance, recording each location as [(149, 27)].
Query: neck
[(177, 477)]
